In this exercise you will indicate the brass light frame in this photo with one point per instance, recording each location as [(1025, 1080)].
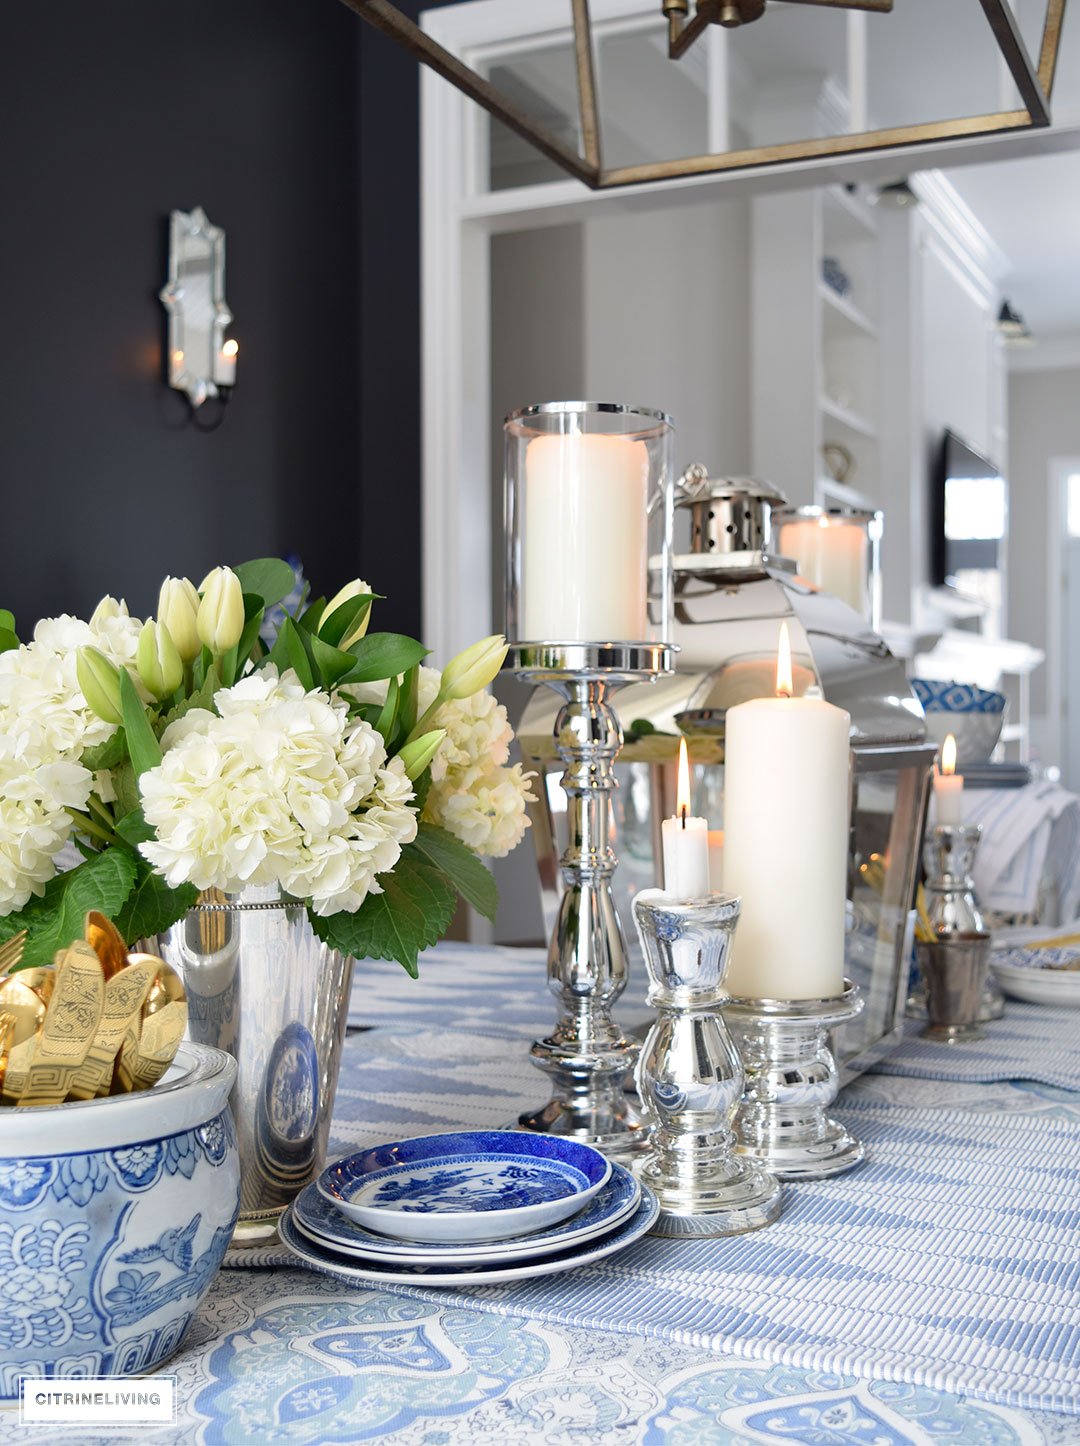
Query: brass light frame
[(1035, 83)]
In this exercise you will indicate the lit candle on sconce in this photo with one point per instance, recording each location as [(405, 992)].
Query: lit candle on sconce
[(948, 787), (686, 842), (226, 371)]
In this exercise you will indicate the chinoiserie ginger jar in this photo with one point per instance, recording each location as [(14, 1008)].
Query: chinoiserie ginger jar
[(114, 1218)]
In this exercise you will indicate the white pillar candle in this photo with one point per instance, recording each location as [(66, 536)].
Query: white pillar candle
[(716, 860), (785, 842), (832, 554), (586, 539), (948, 787), (686, 842)]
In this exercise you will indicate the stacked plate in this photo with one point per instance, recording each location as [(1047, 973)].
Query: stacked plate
[(473, 1208), (1040, 976)]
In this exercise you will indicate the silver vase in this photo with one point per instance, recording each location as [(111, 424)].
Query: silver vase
[(261, 986)]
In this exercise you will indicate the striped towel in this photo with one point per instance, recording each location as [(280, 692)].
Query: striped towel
[(1028, 834)]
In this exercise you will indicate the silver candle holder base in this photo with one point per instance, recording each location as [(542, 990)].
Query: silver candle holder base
[(588, 1058), (791, 1079), (690, 1077)]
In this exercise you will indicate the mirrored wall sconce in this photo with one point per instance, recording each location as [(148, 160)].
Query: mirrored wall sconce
[(201, 359)]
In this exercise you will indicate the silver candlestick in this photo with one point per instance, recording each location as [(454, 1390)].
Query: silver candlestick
[(588, 1057), (791, 1080), (690, 1077), (949, 861)]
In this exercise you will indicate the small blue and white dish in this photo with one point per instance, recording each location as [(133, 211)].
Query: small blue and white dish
[(974, 716), (352, 1271), (1039, 976), (324, 1225), (466, 1186)]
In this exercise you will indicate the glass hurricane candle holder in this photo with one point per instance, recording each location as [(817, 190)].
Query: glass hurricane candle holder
[(589, 508), (838, 549)]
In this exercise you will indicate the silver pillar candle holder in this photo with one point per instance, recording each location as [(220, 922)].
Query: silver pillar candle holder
[(956, 994), (791, 1079), (588, 1057), (689, 1074), (589, 512)]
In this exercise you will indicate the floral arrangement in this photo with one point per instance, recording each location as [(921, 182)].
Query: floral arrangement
[(191, 752)]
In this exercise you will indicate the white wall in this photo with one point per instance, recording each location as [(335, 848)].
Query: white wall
[(1044, 422), (667, 309)]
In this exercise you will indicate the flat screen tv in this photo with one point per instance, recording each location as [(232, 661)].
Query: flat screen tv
[(969, 513)]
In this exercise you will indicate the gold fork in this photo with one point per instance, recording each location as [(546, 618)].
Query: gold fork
[(11, 951)]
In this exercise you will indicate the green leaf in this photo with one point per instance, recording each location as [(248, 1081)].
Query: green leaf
[(134, 829), (385, 723), (203, 697), (412, 913), (383, 655), (57, 918), (126, 785), (344, 617), (143, 748), (331, 662), (8, 640), (421, 789), (106, 755), (410, 703), (7, 620), (312, 615), (269, 578), (296, 650), (152, 906), (461, 866)]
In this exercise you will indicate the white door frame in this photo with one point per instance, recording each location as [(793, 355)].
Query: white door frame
[(1058, 471), (457, 220)]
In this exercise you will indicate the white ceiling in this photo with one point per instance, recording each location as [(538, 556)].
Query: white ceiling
[(1031, 208)]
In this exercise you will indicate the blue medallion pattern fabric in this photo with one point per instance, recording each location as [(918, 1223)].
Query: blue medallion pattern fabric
[(91, 1279), (948, 696)]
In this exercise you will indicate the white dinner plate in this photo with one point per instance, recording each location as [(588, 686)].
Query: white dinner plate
[(353, 1272), (324, 1224)]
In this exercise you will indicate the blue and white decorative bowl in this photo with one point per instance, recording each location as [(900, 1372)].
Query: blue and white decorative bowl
[(974, 716), (467, 1186), (114, 1218)]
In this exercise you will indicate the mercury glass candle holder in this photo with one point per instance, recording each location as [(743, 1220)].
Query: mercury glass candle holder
[(589, 508), (791, 1080), (689, 1074), (952, 912)]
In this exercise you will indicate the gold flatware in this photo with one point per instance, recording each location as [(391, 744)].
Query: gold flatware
[(11, 951), (125, 995), (105, 939), (24, 998), (71, 1021), (153, 1036)]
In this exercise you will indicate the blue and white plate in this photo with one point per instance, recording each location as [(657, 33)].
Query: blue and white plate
[(353, 1272), (1039, 976), (466, 1186), (324, 1225)]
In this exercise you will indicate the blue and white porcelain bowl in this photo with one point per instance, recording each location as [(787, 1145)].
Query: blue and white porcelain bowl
[(974, 716), (114, 1218), (467, 1186)]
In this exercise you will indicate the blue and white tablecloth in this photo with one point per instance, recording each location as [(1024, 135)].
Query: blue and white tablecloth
[(929, 1296)]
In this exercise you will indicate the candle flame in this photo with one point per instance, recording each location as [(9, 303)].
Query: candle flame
[(948, 754), (230, 349), (682, 792), (785, 687)]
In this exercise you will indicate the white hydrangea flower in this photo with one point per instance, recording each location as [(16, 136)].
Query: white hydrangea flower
[(281, 788), (35, 794), (489, 815), (474, 794), (39, 689)]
